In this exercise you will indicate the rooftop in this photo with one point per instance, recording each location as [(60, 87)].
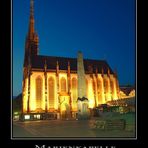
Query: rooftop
[(51, 61)]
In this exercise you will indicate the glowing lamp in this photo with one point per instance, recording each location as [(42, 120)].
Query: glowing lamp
[(27, 117)]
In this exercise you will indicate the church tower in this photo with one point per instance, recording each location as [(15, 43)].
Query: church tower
[(31, 50), (32, 40)]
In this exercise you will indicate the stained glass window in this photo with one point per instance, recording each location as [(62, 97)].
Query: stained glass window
[(51, 90), (38, 92)]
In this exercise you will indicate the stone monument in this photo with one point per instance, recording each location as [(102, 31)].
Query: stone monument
[(83, 112)]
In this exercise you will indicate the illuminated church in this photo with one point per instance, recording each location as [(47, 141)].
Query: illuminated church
[(50, 84)]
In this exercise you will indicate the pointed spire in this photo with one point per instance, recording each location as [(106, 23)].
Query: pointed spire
[(32, 8), (68, 65), (31, 21), (69, 84), (102, 71), (32, 40), (68, 68), (108, 72), (45, 65), (96, 72), (57, 68)]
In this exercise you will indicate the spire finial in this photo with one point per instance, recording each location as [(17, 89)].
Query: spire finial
[(102, 71), (45, 65), (108, 71), (68, 63), (31, 22), (31, 7)]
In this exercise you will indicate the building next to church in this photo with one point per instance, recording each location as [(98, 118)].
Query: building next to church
[(50, 84)]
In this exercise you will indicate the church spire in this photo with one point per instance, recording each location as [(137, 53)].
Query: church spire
[(31, 7), (32, 39), (31, 20)]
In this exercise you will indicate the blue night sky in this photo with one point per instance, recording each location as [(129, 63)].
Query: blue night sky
[(101, 29)]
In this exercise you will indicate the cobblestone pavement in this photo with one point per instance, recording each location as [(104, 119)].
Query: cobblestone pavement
[(63, 128)]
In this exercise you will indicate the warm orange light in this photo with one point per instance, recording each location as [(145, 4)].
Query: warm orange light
[(64, 103), (91, 103), (102, 93), (90, 94)]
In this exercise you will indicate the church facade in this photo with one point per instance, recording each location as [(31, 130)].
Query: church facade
[(50, 84)]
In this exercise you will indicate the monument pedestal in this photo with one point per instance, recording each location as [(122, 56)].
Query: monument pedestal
[(83, 111)]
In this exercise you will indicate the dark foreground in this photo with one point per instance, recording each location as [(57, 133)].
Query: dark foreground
[(70, 129)]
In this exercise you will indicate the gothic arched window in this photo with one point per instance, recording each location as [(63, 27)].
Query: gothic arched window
[(106, 85), (99, 86), (51, 92), (112, 86), (63, 84), (74, 89), (39, 87)]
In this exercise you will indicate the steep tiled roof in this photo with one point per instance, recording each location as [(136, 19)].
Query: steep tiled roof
[(39, 61)]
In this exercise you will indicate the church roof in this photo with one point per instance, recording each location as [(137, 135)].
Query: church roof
[(127, 89), (51, 61)]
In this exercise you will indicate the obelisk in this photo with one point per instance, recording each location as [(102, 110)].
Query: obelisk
[(81, 76), (82, 100)]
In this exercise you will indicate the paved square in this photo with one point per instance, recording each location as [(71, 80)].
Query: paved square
[(64, 128)]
